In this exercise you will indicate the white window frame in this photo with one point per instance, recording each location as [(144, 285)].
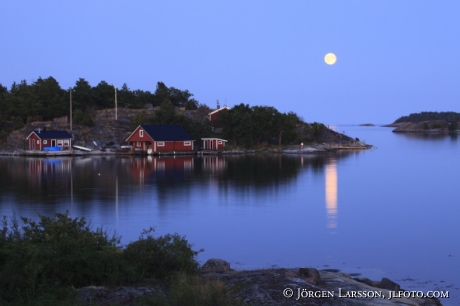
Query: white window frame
[(187, 143), (138, 144), (66, 143), (60, 142), (141, 133), (45, 141), (38, 141), (219, 142), (160, 144)]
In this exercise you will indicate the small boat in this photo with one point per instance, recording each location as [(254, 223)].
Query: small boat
[(82, 148)]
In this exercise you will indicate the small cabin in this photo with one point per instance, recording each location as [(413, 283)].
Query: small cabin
[(160, 139), (49, 140), (213, 143)]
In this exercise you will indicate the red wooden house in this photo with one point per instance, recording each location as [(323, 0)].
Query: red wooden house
[(39, 140), (212, 116), (160, 138), (213, 143)]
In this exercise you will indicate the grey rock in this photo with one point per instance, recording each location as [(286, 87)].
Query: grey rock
[(311, 275), (388, 284), (215, 265)]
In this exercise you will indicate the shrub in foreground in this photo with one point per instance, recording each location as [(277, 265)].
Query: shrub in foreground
[(161, 256), (60, 252), (43, 262)]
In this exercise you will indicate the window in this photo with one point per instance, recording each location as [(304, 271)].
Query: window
[(187, 143), (220, 142), (38, 141), (45, 141), (160, 144), (138, 144), (141, 133), (60, 143), (66, 142)]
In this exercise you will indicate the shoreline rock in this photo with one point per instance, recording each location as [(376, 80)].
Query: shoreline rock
[(270, 287)]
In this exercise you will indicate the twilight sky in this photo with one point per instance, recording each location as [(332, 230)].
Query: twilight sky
[(393, 57)]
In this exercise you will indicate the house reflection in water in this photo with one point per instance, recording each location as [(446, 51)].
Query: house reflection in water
[(160, 168), (331, 193), (214, 164), (38, 168)]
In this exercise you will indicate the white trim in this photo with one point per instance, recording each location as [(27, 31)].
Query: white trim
[(45, 141), (187, 143), (141, 133), (160, 143), (135, 130), (218, 110), (31, 135), (214, 139)]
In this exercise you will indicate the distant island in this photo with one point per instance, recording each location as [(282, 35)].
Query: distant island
[(427, 122)]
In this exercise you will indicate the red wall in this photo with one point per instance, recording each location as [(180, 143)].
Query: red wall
[(216, 115), (169, 145), (37, 145)]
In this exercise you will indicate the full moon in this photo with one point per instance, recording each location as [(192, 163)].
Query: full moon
[(330, 58)]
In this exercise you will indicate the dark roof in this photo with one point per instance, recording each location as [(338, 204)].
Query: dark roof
[(167, 132), (53, 134)]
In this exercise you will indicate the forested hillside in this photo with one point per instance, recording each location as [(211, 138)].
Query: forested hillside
[(44, 100), (425, 116)]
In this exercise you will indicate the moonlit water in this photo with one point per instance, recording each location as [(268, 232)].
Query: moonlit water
[(390, 211)]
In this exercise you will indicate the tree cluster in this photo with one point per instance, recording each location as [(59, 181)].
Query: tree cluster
[(44, 99), (45, 260), (426, 116), (258, 125)]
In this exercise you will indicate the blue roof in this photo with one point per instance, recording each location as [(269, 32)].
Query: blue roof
[(167, 132), (53, 134)]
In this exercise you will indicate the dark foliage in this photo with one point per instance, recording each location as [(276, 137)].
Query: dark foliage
[(425, 116), (46, 260), (258, 125)]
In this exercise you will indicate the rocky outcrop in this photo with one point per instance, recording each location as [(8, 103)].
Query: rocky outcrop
[(424, 126), (113, 296), (296, 286), (215, 265), (308, 286)]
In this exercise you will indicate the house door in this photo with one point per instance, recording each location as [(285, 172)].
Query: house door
[(33, 144), (53, 142)]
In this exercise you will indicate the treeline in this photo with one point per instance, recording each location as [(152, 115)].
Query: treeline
[(45, 99), (425, 116), (258, 125), (242, 125)]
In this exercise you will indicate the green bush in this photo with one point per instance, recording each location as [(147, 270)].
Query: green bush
[(83, 118), (162, 256), (18, 123), (53, 254), (41, 263)]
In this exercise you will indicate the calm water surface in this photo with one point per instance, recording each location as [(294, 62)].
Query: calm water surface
[(391, 211)]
